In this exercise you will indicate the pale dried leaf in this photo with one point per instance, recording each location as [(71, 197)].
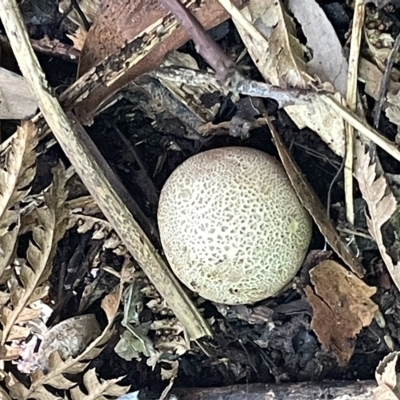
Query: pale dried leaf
[(392, 110), (19, 167), (87, 222), (16, 99), (97, 388), (88, 7), (18, 333), (381, 206), (271, 20), (371, 75), (178, 345), (125, 348), (60, 382), (78, 38), (387, 377), (58, 367), (16, 175), (280, 57), (8, 237), (17, 389), (166, 391), (4, 297), (8, 353), (41, 250), (27, 314), (43, 394), (322, 38)]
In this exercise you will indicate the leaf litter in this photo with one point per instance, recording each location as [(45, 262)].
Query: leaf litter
[(341, 307), (341, 302)]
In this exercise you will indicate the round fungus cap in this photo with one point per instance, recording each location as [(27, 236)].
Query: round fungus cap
[(231, 225)]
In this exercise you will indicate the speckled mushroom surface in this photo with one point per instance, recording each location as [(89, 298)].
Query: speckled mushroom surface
[(231, 225)]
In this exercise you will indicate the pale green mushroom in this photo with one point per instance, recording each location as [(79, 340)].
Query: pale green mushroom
[(232, 227)]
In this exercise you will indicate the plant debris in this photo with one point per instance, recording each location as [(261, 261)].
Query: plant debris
[(341, 307), (89, 306)]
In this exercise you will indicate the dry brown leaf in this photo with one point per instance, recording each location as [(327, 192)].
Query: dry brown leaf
[(381, 206), (16, 175), (4, 297), (27, 314), (388, 378), (28, 285), (97, 388), (341, 307), (270, 19)]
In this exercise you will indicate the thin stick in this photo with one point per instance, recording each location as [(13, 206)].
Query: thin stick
[(351, 100), (86, 159)]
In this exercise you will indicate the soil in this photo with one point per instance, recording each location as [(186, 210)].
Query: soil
[(266, 343)]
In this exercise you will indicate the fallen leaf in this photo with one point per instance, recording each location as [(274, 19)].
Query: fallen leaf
[(191, 95), (372, 76), (27, 283), (387, 377), (341, 308), (58, 368), (381, 206), (392, 108), (279, 57), (98, 388), (16, 175), (16, 100), (328, 60)]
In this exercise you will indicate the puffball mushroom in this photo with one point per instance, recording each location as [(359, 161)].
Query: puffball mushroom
[(231, 225)]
